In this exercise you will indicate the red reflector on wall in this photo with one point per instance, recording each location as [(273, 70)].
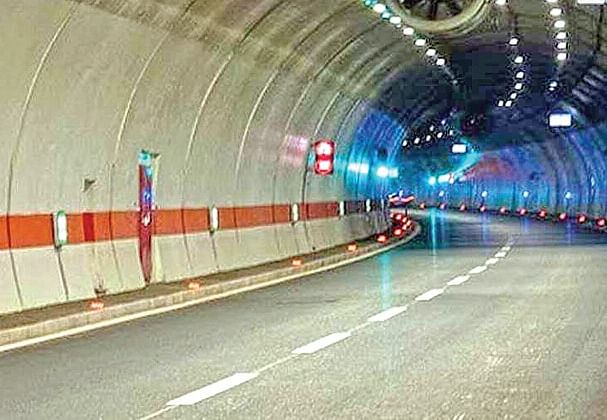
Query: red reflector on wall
[(462, 207), (563, 217), (582, 219), (193, 285), (352, 248), (601, 222), (542, 214), (422, 206), (483, 209), (522, 212), (443, 206), (297, 262), (398, 232), (96, 305), (382, 239)]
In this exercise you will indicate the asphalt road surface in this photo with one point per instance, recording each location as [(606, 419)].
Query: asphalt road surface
[(480, 317)]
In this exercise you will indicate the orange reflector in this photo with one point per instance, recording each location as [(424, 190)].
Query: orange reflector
[(96, 305), (193, 285), (297, 262), (352, 248), (382, 239)]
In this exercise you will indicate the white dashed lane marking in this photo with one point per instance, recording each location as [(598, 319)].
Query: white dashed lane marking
[(459, 280), (492, 261), (429, 295), (386, 315), (501, 255), (478, 270), (322, 343), (211, 390)]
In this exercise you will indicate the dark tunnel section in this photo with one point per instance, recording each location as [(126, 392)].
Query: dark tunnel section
[(515, 160)]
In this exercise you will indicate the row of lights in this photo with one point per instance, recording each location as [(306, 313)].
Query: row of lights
[(542, 214), (558, 25), (518, 61), (443, 132), (387, 15)]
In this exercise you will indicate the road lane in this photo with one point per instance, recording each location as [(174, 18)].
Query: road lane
[(422, 361)]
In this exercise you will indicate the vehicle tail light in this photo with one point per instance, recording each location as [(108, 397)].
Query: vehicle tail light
[(382, 239)]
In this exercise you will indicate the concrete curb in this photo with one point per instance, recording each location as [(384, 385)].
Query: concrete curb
[(79, 323)]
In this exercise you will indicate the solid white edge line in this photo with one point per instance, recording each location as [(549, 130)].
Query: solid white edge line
[(429, 295), (478, 270), (387, 314), (322, 343), (152, 312), (458, 281), (213, 389)]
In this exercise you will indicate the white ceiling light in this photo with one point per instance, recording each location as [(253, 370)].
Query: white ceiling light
[(556, 12), (440, 62), (431, 52), (508, 104), (561, 35), (518, 86), (561, 46), (408, 31), (520, 75), (561, 56), (420, 42), (379, 8), (560, 24), (519, 59), (513, 41)]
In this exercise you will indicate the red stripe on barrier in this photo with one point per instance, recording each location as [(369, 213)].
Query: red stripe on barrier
[(282, 214), (195, 220), (3, 232), (168, 222), (28, 231), (248, 217)]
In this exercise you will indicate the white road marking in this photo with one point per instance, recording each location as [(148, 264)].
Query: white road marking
[(429, 295), (211, 390), (501, 255), (386, 315), (492, 261), (506, 249), (478, 270), (157, 311), (158, 413), (458, 280), (322, 343)]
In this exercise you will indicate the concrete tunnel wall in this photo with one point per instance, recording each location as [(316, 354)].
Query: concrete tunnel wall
[(573, 162), (228, 95)]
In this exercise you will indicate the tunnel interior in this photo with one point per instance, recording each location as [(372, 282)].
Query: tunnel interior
[(211, 108)]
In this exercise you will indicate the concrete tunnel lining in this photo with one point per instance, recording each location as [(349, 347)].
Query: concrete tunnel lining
[(214, 97)]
